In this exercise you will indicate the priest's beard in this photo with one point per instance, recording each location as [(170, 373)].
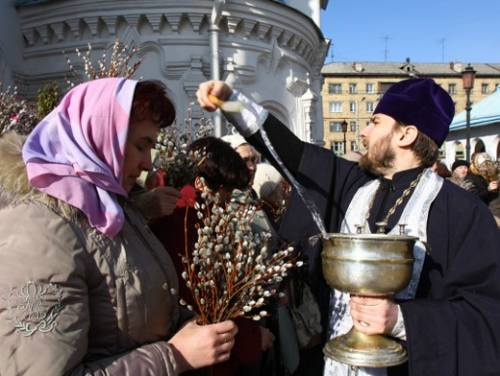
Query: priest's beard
[(379, 157)]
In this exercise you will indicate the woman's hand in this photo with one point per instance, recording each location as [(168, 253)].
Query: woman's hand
[(197, 346), (158, 202), (493, 186), (218, 89)]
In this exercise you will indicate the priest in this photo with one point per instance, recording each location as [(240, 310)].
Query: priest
[(449, 316)]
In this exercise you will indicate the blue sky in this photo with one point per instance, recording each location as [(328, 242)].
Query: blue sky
[(415, 29)]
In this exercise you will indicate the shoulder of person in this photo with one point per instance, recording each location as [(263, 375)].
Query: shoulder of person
[(40, 230), (461, 200)]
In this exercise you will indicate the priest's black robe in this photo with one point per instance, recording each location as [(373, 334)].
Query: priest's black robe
[(453, 324)]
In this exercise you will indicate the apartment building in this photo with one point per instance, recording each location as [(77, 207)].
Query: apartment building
[(351, 91)]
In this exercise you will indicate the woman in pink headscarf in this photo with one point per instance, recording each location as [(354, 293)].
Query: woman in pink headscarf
[(85, 288)]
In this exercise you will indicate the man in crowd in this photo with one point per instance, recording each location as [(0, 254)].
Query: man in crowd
[(246, 151), (450, 320)]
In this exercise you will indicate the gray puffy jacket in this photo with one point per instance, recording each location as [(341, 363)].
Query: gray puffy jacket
[(74, 302)]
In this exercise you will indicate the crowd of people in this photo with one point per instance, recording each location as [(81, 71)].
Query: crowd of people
[(90, 261), (448, 319), (480, 177)]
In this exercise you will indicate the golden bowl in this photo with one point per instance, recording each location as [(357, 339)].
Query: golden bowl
[(369, 265)]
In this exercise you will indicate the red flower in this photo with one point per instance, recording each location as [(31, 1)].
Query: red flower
[(14, 118), (188, 196)]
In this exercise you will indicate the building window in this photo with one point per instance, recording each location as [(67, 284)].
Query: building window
[(479, 146), (369, 107), (335, 106), (484, 88), (335, 126), (442, 153), (354, 146), (338, 147), (353, 126), (497, 86), (334, 88), (459, 150), (452, 89), (369, 88), (352, 106), (384, 86), (353, 88)]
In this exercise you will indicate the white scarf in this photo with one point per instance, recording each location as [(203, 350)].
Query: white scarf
[(415, 215)]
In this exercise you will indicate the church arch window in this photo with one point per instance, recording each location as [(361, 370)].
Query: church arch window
[(479, 146), (459, 150)]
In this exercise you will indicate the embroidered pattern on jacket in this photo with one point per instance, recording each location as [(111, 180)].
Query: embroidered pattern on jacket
[(34, 307)]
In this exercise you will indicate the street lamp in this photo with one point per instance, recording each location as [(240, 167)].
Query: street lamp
[(468, 75), (344, 130)]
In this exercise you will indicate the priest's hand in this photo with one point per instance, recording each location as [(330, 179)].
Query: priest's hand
[(210, 89), (373, 315)]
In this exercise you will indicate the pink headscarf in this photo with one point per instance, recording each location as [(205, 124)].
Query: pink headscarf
[(76, 153)]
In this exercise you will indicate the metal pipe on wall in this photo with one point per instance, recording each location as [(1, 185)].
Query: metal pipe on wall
[(215, 59)]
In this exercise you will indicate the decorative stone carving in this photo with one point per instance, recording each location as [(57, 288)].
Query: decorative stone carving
[(196, 21), (92, 24), (275, 57), (174, 20), (43, 31), (191, 79), (276, 33), (74, 26), (154, 20), (232, 23), (259, 42), (286, 38), (263, 30), (110, 24), (58, 29), (248, 27), (240, 73), (308, 104), (296, 86), (132, 20), (54, 32), (29, 34)]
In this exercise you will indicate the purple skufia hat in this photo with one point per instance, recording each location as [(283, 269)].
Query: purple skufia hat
[(422, 103)]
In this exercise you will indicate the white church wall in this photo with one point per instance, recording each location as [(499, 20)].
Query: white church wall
[(272, 52)]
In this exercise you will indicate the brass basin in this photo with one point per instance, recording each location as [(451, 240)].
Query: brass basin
[(370, 265)]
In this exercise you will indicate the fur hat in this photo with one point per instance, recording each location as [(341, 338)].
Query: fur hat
[(458, 163)]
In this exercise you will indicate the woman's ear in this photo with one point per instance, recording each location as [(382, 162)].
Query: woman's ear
[(408, 135)]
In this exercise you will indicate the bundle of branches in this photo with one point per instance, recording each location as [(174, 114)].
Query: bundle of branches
[(174, 158), (120, 61), (230, 272), (16, 113), (172, 151)]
